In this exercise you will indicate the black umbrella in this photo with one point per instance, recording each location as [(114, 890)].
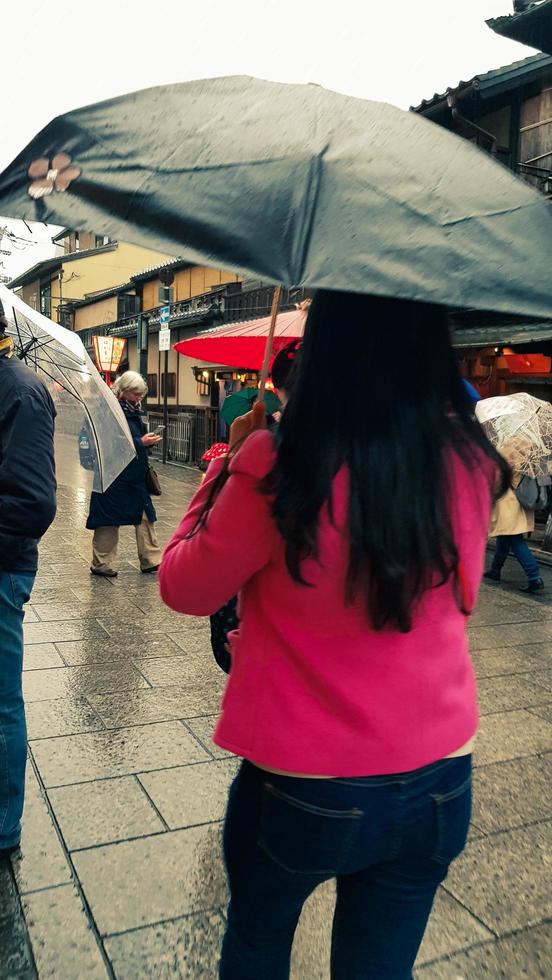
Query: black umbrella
[(296, 185)]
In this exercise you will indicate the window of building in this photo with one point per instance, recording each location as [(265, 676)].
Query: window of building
[(101, 240), (46, 298), (77, 242), (152, 385), (127, 305), (171, 384)]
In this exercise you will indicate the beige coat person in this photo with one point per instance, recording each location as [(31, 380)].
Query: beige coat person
[(508, 516)]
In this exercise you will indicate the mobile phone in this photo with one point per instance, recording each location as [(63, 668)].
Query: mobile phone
[(158, 430)]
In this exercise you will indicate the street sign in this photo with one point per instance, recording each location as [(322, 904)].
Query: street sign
[(164, 339), (164, 315)]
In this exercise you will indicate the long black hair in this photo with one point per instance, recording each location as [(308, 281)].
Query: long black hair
[(376, 388)]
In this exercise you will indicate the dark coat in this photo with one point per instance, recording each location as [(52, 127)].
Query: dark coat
[(27, 470), (127, 498)]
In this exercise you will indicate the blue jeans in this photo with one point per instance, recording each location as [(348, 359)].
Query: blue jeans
[(517, 544), (15, 591), (388, 840)]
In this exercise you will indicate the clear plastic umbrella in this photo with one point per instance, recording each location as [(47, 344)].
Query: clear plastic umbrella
[(91, 430), (520, 427)]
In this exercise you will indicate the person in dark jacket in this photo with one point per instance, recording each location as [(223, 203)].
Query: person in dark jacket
[(27, 508), (127, 501)]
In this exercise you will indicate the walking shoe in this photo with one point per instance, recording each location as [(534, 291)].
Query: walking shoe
[(151, 568), (492, 575), (534, 585), (108, 573)]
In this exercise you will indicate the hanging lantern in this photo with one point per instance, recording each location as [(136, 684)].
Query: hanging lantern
[(108, 353)]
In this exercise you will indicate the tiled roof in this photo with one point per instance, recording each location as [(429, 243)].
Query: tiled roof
[(532, 26), (151, 271), (507, 76)]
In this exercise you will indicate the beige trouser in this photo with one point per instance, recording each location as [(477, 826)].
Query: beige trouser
[(106, 540)]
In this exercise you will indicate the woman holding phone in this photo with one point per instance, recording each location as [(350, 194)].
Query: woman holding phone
[(128, 500)]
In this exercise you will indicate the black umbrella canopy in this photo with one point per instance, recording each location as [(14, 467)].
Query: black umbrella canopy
[(297, 185)]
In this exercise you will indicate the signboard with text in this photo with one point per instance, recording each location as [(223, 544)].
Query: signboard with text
[(164, 339)]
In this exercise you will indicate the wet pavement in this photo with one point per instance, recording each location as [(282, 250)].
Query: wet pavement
[(120, 872)]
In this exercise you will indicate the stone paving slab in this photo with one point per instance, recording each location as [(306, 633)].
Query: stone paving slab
[(47, 685), (83, 758), (451, 927), (40, 656), (512, 635), (56, 632), (513, 660), (544, 712), (159, 704), (181, 671), (192, 642), (524, 955), (508, 693), (512, 735), (203, 729), (49, 612), (184, 949), (110, 810), (41, 862), (511, 794), (545, 678), (504, 879), (62, 716), (98, 650), (191, 795), (16, 961), (64, 946), (145, 881)]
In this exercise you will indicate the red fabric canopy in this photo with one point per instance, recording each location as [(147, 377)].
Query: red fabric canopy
[(242, 345)]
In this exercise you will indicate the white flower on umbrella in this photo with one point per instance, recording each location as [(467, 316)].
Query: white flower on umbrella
[(46, 178)]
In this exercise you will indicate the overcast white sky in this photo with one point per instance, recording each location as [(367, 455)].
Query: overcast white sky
[(57, 56)]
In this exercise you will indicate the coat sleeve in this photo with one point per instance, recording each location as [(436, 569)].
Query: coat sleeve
[(27, 471), (199, 574)]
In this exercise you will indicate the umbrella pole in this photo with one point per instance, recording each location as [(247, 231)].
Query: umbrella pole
[(270, 339)]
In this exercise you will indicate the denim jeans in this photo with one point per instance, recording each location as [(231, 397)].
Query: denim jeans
[(15, 591), (388, 840), (517, 544)]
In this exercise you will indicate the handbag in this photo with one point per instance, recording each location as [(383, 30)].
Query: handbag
[(152, 482), (532, 492)]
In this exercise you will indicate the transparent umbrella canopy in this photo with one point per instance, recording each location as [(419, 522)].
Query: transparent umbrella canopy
[(520, 427), (87, 412)]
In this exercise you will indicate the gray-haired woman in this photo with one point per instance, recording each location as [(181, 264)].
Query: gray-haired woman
[(127, 501)]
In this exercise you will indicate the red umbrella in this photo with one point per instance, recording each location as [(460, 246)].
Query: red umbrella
[(242, 345)]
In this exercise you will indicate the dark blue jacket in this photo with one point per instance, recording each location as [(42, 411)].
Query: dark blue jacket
[(127, 498), (27, 470)]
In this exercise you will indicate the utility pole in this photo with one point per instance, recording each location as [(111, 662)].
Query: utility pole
[(142, 337), (165, 345), (166, 278)]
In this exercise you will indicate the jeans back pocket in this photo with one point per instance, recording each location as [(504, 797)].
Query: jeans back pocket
[(453, 814), (305, 838)]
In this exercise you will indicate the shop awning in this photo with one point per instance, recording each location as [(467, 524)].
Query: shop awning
[(501, 335)]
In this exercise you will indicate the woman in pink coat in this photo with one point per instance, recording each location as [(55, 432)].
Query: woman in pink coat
[(356, 538)]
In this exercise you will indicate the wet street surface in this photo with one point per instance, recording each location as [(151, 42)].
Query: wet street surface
[(120, 873)]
